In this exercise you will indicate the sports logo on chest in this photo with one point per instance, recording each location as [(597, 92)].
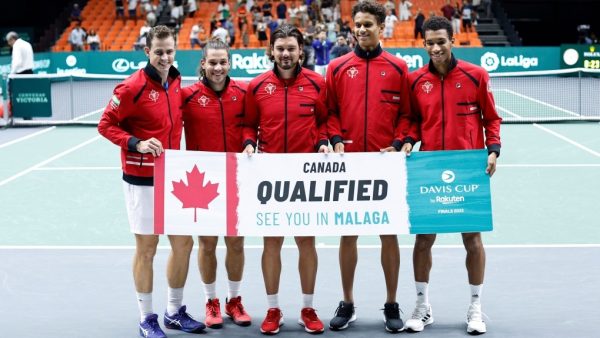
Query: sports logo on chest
[(153, 95), (270, 88), (352, 72), (203, 100), (427, 87)]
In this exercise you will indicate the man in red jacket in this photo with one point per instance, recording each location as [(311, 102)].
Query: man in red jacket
[(213, 114), (367, 97), (287, 105), (453, 107), (143, 118)]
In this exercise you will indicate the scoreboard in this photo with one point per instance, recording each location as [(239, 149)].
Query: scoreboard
[(580, 56)]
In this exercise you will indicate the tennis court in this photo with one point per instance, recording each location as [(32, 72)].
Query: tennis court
[(65, 248)]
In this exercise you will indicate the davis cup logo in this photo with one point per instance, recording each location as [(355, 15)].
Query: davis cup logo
[(270, 88), (448, 176), (490, 61)]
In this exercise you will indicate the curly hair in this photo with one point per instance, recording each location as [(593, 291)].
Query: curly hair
[(370, 7), (436, 23)]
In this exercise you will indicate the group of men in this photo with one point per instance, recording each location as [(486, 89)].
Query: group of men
[(368, 102)]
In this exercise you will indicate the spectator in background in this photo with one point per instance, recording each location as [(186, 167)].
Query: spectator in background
[(151, 18), (145, 7), (448, 10), (310, 29), (230, 27), (256, 11), (327, 10), (391, 6), (120, 7), (345, 30), (261, 28), (341, 47), (419, 20), (266, 9), (76, 13), (242, 12), (198, 35), (22, 54), (132, 9), (405, 7), (76, 38), (145, 29), (213, 23), (224, 11), (221, 33), (281, 12), (308, 53), (333, 29), (322, 47), (293, 14), (140, 43), (273, 24), (466, 12), (244, 34), (456, 19), (190, 8), (93, 40), (303, 14), (487, 8), (390, 24)]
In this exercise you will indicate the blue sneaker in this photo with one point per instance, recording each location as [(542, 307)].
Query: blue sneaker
[(183, 321), (149, 328)]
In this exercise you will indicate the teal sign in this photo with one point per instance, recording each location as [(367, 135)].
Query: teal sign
[(31, 97), (449, 191), (580, 56)]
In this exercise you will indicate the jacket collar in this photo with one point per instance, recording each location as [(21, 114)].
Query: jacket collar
[(296, 72), (363, 54), (153, 73), (207, 84), (453, 63)]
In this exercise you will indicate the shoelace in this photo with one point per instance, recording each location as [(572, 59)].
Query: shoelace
[(311, 314), (392, 313), (214, 308), (477, 315), (343, 311), (154, 326), (239, 307), (419, 312), (273, 315)]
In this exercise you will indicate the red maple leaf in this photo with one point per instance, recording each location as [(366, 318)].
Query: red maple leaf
[(195, 194)]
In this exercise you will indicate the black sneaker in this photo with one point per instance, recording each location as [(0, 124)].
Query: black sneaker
[(391, 317), (344, 315)]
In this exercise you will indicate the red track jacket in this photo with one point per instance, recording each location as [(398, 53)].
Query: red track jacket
[(291, 114), (451, 113), (214, 121), (367, 96), (142, 108)]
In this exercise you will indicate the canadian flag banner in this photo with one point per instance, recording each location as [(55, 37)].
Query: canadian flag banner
[(233, 194)]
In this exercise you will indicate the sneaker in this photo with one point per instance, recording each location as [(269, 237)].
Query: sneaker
[(344, 315), (183, 321), (475, 323), (391, 317), (149, 328), (421, 317), (310, 321), (272, 322), (214, 320), (235, 310)]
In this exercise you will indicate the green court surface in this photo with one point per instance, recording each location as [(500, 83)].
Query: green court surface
[(62, 187)]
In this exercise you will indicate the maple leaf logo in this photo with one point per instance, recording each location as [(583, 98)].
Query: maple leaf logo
[(195, 194)]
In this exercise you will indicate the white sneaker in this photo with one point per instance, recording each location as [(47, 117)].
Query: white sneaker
[(421, 317), (475, 323)]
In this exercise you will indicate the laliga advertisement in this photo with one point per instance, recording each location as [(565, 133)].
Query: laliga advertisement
[(230, 194)]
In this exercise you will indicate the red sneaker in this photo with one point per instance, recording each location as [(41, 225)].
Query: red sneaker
[(214, 320), (310, 321), (235, 310), (272, 322)]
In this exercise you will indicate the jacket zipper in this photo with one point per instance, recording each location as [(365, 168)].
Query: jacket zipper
[(285, 139), (366, 103), (443, 118), (170, 116), (223, 124)]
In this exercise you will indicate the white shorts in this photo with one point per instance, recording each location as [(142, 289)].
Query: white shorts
[(139, 200), (321, 69)]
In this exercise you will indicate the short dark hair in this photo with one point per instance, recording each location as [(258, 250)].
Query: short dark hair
[(436, 23), (370, 7), (160, 32), (214, 43), (285, 31)]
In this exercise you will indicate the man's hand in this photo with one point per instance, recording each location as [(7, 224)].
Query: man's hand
[(407, 148), (491, 165), (324, 149), (389, 149), (339, 148), (249, 150), (151, 145)]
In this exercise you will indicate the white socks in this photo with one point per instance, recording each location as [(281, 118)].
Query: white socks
[(174, 300), (210, 291), (233, 289), (273, 301), (422, 292), (307, 300), (476, 294), (144, 304)]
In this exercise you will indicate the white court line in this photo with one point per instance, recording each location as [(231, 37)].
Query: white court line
[(568, 140), (26, 137), (502, 109), (540, 102), (548, 165), (76, 168), (318, 245), (43, 163), (88, 114)]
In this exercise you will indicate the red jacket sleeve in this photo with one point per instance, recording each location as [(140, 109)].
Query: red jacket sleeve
[(491, 119), (334, 129), (322, 115), (403, 125), (114, 114), (250, 118)]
